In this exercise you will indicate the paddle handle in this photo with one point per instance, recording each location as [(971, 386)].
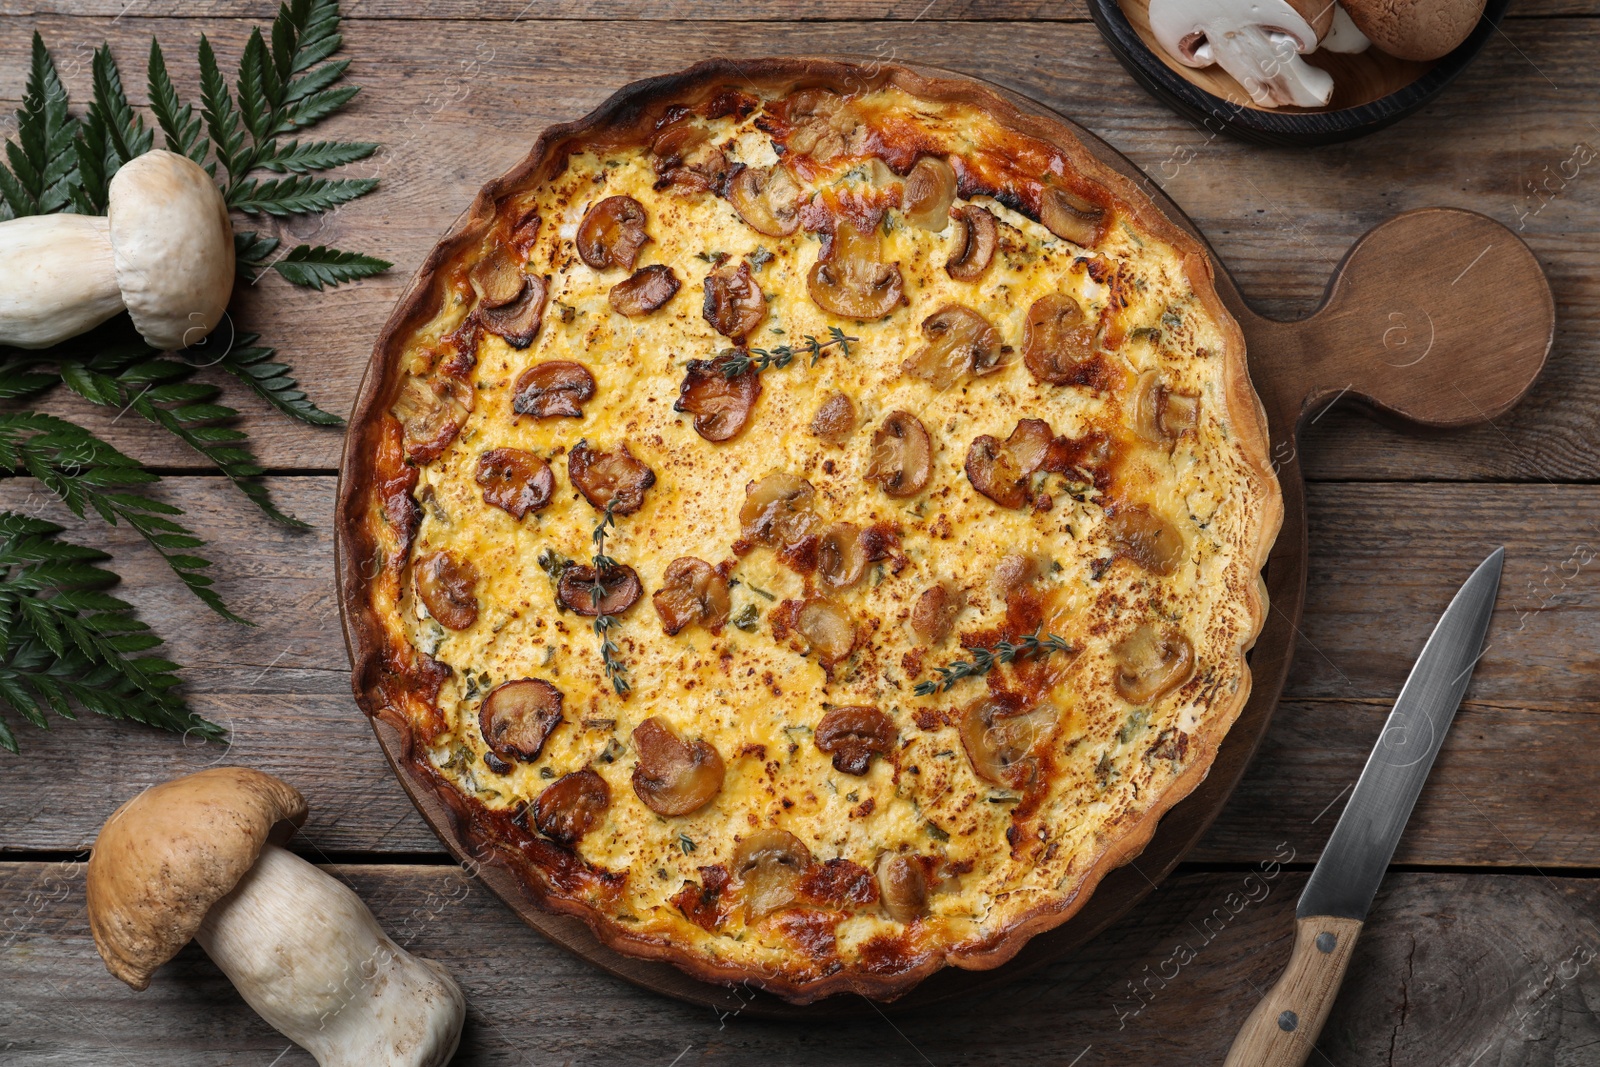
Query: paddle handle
[(1282, 1029)]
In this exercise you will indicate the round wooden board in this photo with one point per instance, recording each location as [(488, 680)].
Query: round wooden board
[(1403, 331)]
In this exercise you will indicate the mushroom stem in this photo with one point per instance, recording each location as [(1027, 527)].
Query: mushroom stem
[(59, 278), (307, 955), (1258, 42)]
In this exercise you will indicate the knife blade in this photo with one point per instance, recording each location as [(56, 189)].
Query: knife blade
[(1283, 1028)]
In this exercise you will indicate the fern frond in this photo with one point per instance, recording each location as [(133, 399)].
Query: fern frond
[(274, 382)]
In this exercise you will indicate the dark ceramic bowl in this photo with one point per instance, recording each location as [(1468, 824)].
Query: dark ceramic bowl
[(1370, 90)]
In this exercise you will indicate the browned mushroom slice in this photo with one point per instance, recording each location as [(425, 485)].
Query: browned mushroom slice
[(448, 588), (835, 419), (1160, 415), (734, 304), (497, 279), (850, 278), (517, 717), (518, 321), (431, 412), (674, 777), (853, 735), (930, 189), (778, 510), (902, 455), (1071, 217), (767, 198), (616, 590), (1000, 733), (1013, 573), (828, 629), (1146, 538), (768, 866), (613, 478), (841, 558), (515, 481), (720, 404), (1152, 662), (1001, 471), (902, 886), (1057, 339), (645, 291), (677, 139), (572, 806), (691, 591), (612, 233), (977, 237), (960, 342), (933, 616), (557, 388)]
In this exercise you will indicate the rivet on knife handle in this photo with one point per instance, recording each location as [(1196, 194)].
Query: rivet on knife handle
[(1284, 1026)]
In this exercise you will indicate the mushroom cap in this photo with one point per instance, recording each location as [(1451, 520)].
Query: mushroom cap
[(1319, 13), (173, 247), (1415, 29), (166, 856)]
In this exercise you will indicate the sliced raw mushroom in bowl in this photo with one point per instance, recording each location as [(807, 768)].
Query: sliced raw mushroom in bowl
[(1258, 42)]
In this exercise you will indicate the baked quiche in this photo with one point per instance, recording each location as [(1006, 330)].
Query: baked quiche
[(806, 522)]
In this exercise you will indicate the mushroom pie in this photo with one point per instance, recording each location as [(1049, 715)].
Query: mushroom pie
[(806, 522)]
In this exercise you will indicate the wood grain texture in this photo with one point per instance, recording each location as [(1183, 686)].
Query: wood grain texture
[(1450, 967), (1384, 559), (1282, 1030), (455, 107)]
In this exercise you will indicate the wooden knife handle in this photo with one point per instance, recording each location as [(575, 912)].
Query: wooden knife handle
[(1284, 1026)]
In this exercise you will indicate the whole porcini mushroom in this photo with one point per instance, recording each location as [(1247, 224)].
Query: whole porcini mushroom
[(163, 251), (199, 857), (1258, 42), (1416, 29)]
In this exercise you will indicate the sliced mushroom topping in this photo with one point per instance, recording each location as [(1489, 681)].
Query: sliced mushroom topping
[(448, 588), (1146, 538), (933, 617), (977, 237), (515, 481), (960, 342), (1151, 663), (572, 806), (517, 321), (613, 478), (902, 455), (1071, 217), (828, 629), (720, 404), (618, 589), (930, 189), (841, 558), (1000, 733), (674, 777), (1013, 573), (1160, 415), (1057, 340), (778, 510), (645, 291), (1001, 471), (767, 198), (517, 717), (678, 139), (853, 735), (734, 304), (497, 279), (691, 591), (768, 866), (612, 233), (835, 419), (557, 388), (820, 120), (850, 278), (431, 412), (902, 886)]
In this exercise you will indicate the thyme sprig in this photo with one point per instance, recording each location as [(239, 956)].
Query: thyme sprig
[(616, 670), (736, 362), (984, 660)]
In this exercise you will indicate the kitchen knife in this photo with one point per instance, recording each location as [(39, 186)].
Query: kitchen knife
[(1282, 1029)]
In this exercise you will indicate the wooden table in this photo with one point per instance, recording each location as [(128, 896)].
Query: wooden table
[(1482, 948)]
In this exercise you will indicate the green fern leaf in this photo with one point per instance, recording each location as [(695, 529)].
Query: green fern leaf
[(296, 194), (297, 158), (43, 161), (274, 382), (323, 266), (179, 124), (222, 118), (126, 136)]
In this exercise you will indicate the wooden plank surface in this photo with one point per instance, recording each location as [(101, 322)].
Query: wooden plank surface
[(1384, 560), (1452, 970), (455, 107)]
